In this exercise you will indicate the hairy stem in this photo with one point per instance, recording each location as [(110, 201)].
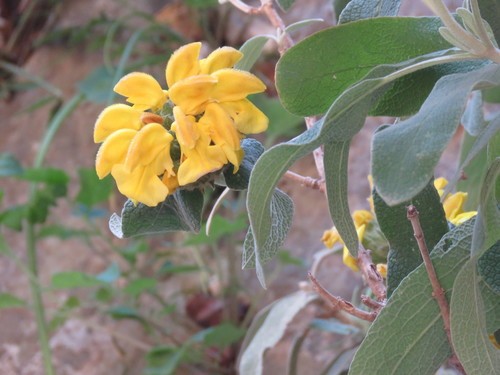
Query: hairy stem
[(438, 292)]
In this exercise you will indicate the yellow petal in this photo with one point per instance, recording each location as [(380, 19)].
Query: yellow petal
[(116, 117), (113, 151), (382, 270), (361, 217), (453, 204), (463, 217), (221, 58), (171, 182), (141, 185), (199, 162), (220, 126), (183, 63), (330, 237), (185, 129), (193, 93), (440, 183), (248, 119), (349, 260), (235, 85), (142, 90), (152, 141)]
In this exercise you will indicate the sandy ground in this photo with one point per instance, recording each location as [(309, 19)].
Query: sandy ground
[(83, 350)]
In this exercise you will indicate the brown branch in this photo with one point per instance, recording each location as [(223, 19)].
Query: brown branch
[(371, 275), (306, 181), (438, 292), (371, 303), (338, 303)]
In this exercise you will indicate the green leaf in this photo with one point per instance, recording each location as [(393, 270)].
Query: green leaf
[(169, 268), (489, 267), (473, 118), (224, 335), (220, 228), (336, 157), (8, 300), (97, 85), (251, 51), (138, 286), (62, 232), (285, 4), (110, 274), (92, 190), (239, 180), (74, 279), (13, 217), (300, 24), (486, 232), (468, 326), (164, 360), (51, 176), (344, 119), (271, 331), (360, 9), (9, 165), (179, 212), (418, 142), (490, 9), (307, 86), (281, 213), (476, 153), (410, 326), (404, 254)]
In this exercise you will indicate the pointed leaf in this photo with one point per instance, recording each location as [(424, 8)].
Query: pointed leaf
[(336, 155), (280, 222), (8, 300), (92, 189), (285, 4), (490, 9), (473, 117), (239, 180), (418, 142), (404, 254), (251, 51), (179, 212), (271, 331)]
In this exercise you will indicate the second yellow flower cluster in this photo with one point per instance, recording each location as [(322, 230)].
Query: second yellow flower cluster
[(171, 138), (452, 204)]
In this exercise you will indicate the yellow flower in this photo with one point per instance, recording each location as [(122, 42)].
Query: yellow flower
[(347, 258), (361, 217), (453, 203), (199, 157), (382, 269), (205, 113), (330, 237)]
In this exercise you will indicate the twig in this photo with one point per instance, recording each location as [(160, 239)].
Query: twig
[(339, 303), (371, 275), (307, 181), (371, 303), (438, 292)]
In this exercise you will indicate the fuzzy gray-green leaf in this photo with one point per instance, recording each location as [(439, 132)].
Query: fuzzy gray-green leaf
[(336, 156), (179, 212), (418, 142), (360, 9)]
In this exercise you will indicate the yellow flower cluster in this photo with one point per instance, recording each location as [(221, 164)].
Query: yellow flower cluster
[(330, 237), (453, 203), (171, 138)]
